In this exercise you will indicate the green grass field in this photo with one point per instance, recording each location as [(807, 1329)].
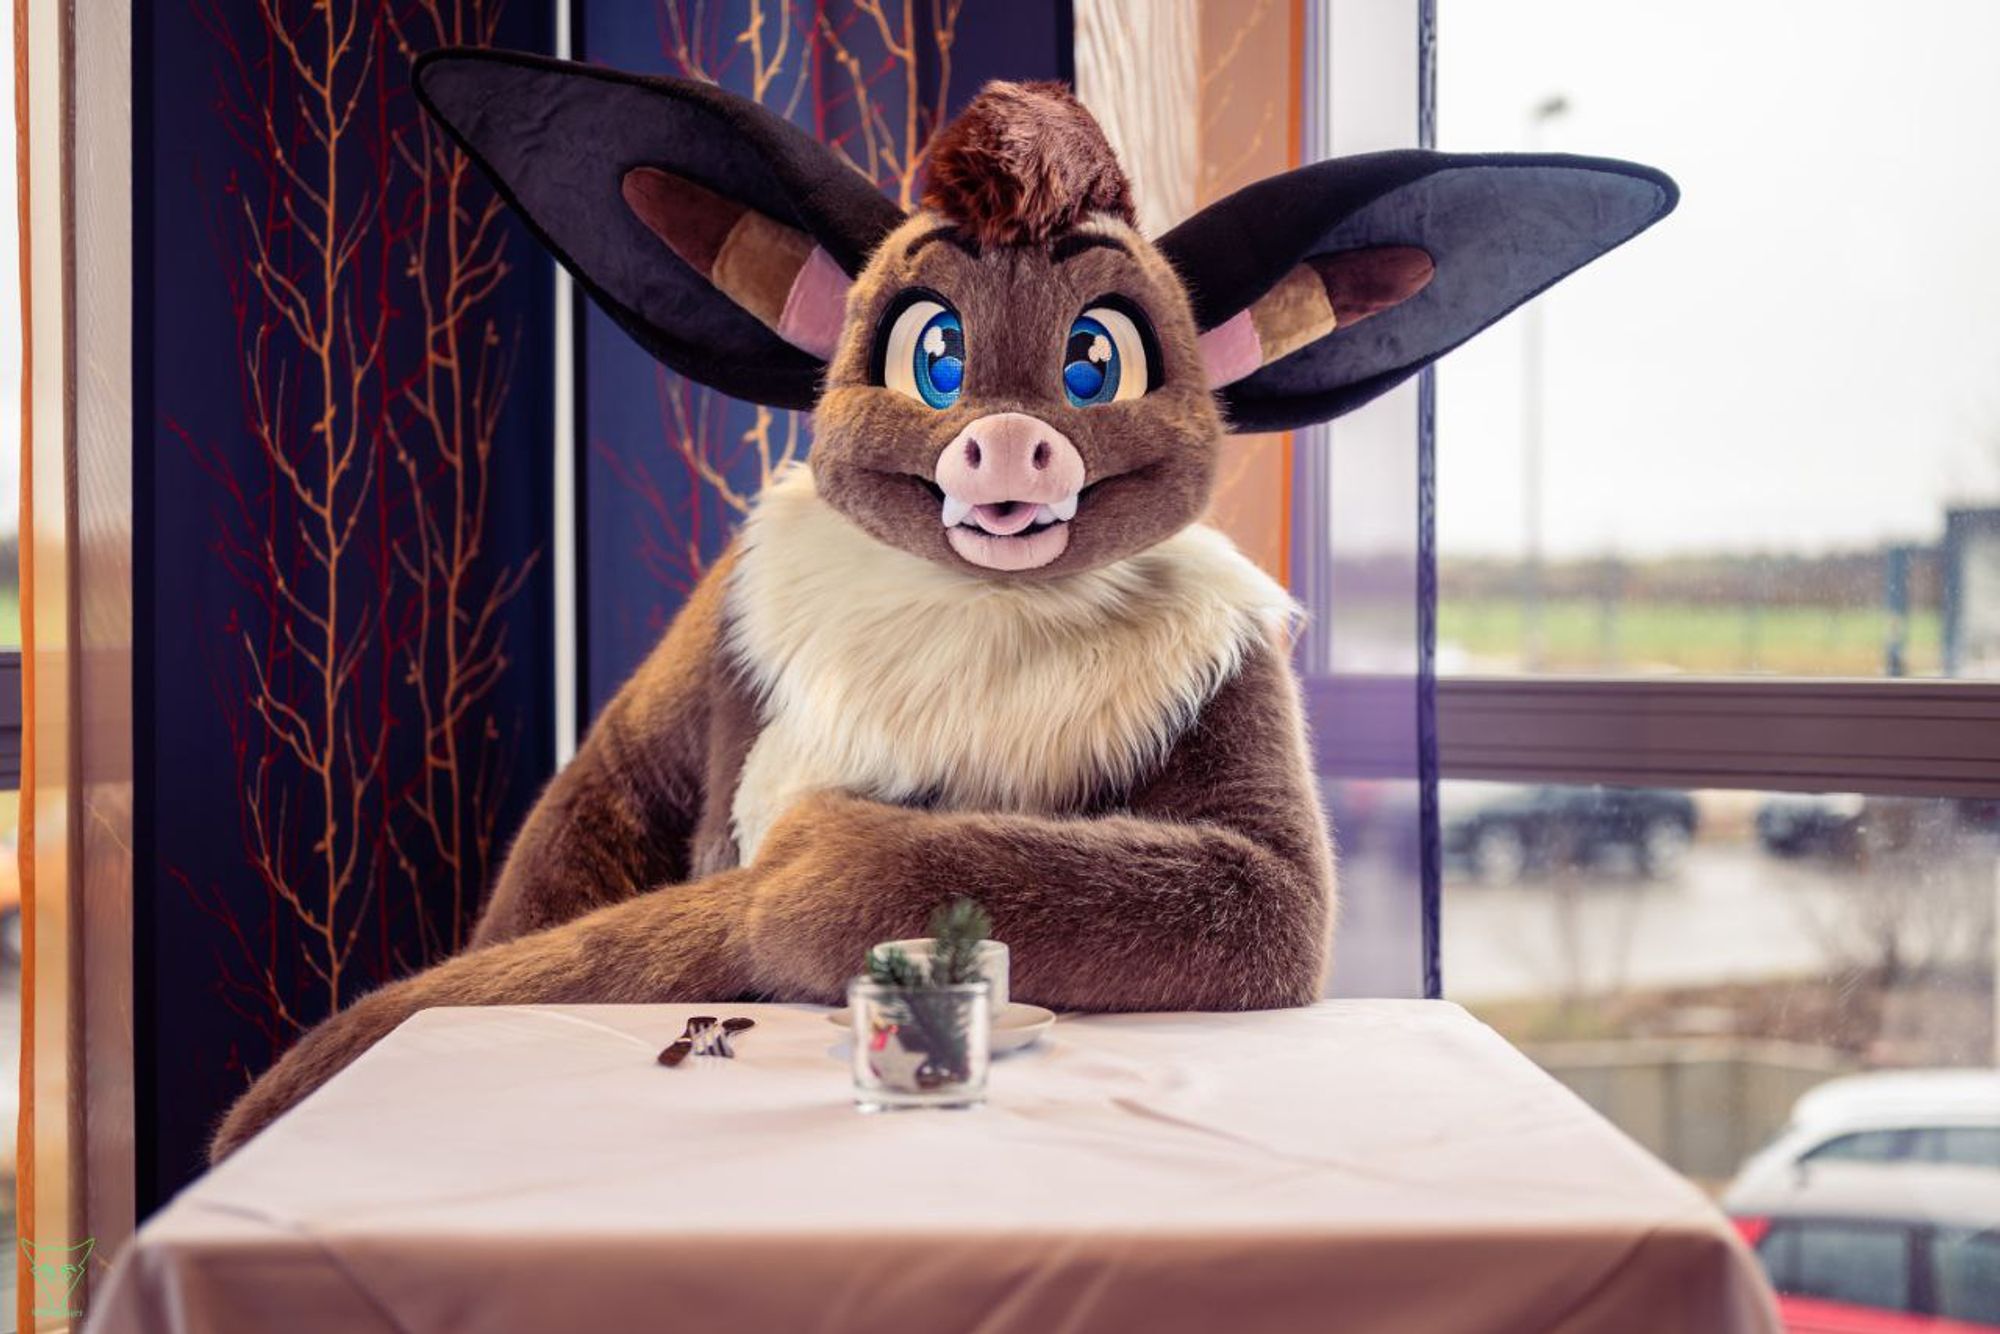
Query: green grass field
[(10, 616), (1583, 635)]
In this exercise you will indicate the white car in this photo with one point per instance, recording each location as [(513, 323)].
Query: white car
[(1899, 1116)]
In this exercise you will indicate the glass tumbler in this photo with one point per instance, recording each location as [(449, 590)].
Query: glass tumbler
[(919, 1046)]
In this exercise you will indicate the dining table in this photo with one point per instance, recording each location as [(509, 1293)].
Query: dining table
[(1387, 1165)]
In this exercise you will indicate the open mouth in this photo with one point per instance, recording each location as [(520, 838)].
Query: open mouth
[(1007, 518), (1007, 534)]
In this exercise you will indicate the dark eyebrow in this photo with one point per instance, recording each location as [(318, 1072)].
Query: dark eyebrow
[(947, 233), (1069, 247)]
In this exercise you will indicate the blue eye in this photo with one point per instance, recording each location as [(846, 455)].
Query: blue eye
[(925, 354), (940, 360), (1104, 359)]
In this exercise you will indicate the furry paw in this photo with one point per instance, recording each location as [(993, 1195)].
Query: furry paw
[(317, 1057)]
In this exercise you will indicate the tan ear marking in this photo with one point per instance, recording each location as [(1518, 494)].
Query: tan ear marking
[(1325, 293), (773, 271), (1292, 314), (758, 263)]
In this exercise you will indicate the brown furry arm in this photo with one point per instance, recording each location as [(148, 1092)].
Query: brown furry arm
[(680, 943), (618, 819), (1214, 892)]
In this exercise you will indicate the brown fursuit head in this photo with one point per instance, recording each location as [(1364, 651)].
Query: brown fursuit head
[(983, 644)]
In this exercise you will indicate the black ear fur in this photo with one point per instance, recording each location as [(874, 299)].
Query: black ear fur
[(558, 137), (1500, 228)]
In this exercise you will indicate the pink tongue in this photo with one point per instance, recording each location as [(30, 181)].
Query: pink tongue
[(1006, 518)]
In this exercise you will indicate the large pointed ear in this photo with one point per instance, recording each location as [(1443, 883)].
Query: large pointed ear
[(719, 235), (1322, 288)]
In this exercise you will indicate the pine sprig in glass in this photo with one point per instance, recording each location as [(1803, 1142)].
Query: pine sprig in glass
[(934, 1019)]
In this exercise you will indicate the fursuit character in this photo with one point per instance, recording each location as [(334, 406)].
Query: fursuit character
[(982, 645)]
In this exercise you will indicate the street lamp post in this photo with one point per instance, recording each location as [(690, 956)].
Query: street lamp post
[(1532, 631)]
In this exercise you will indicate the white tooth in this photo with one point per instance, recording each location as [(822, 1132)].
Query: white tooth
[(1043, 514), (955, 510), (1064, 509)]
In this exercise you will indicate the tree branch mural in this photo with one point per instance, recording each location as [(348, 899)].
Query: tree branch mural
[(355, 670), (452, 403), (881, 54)]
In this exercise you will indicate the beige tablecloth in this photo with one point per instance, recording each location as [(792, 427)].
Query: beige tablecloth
[(1360, 1165)]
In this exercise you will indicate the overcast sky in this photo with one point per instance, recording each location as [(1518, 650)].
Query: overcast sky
[(1806, 354)]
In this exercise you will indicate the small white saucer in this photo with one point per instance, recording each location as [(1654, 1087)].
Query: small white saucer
[(1015, 1027)]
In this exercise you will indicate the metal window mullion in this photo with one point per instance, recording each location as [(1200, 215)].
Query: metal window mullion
[(10, 720)]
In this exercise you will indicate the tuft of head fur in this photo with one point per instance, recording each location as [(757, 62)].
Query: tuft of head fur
[(1023, 164)]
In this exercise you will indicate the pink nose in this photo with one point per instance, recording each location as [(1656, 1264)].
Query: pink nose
[(1010, 458)]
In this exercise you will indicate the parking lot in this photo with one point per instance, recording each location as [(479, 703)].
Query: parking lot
[(1730, 914)]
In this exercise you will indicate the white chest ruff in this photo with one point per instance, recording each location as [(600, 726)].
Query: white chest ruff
[(897, 678)]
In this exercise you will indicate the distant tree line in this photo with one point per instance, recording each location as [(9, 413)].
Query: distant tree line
[(1838, 579)]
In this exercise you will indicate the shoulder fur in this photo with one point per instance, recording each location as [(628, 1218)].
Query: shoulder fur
[(895, 677)]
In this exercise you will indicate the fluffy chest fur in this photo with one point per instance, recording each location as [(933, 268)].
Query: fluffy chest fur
[(897, 678)]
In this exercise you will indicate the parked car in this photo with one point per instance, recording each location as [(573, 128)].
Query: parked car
[(1502, 834), (1843, 826), (1877, 1209), (1894, 1116), (1811, 824), (1870, 1247)]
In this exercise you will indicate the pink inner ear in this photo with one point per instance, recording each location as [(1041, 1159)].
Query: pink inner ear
[(1231, 350), (816, 306)]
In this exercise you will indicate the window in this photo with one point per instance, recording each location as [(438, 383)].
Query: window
[(1965, 1146), (1857, 1263), (1870, 1146), (1718, 619), (1692, 961), (1965, 1274), (1730, 448), (10, 398), (1962, 1146)]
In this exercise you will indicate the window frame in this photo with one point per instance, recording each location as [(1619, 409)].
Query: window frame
[(1897, 737), (10, 719)]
